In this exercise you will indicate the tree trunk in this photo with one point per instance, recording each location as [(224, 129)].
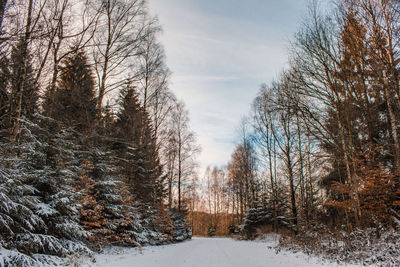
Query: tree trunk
[(22, 76), (392, 118), (273, 189), (301, 160), (179, 174), (354, 199), (3, 5), (102, 87), (292, 189), (310, 193), (170, 190)]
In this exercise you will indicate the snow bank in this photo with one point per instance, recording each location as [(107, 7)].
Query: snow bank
[(358, 247)]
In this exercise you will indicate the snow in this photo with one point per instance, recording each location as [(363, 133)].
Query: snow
[(45, 209), (208, 252), (15, 258)]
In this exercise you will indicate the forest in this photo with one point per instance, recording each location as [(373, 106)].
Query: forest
[(97, 151), (319, 155), (94, 146)]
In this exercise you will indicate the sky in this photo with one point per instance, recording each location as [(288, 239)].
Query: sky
[(220, 52)]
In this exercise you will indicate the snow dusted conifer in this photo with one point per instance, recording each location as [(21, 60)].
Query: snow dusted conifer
[(119, 211), (17, 203), (255, 216), (107, 204), (74, 100), (41, 168), (91, 212), (261, 213), (137, 146)]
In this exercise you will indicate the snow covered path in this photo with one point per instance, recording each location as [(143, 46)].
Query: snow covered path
[(208, 252)]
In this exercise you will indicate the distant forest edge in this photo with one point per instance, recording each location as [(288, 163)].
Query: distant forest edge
[(95, 149), (319, 157)]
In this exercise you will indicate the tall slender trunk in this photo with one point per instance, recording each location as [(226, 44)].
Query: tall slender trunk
[(22, 76), (52, 87), (301, 160), (146, 89), (291, 187), (273, 193), (179, 174), (3, 5), (169, 194), (170, 181), (241, 202), (392, 118), (233, 207), (102, 87), (354, 199), (310, 184)]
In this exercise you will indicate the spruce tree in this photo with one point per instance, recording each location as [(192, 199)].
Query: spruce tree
[(107, 209), (39, 212), (137, 144), (74, 99)]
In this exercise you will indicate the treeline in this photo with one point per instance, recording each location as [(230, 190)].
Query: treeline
[(320, 151), (211, 213), (95, 149)]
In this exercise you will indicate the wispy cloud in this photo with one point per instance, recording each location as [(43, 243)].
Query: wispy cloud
[(204, 78), (220, 51)]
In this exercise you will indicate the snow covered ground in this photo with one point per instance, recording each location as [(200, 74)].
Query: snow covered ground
[(208, 252)]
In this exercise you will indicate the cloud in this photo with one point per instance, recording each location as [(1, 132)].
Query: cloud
[(200, 78), (219, 52)]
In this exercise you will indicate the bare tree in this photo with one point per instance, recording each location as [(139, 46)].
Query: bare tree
[(123, 26), (65, 39), (185, 146), (284, 133), (153, 72), (316, 57), (241, 173), (22, 72), (264, 138)]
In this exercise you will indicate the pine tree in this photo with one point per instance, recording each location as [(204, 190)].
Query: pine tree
[(91, 212), (138, 147), (74, 101), (17, 205), (40, 199), (107, 211), (53, 161), (261, 213)]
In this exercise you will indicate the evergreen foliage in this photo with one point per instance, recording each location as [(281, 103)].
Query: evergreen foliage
[(137, 146), (74, 100), (40, 209), (261, 213)]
